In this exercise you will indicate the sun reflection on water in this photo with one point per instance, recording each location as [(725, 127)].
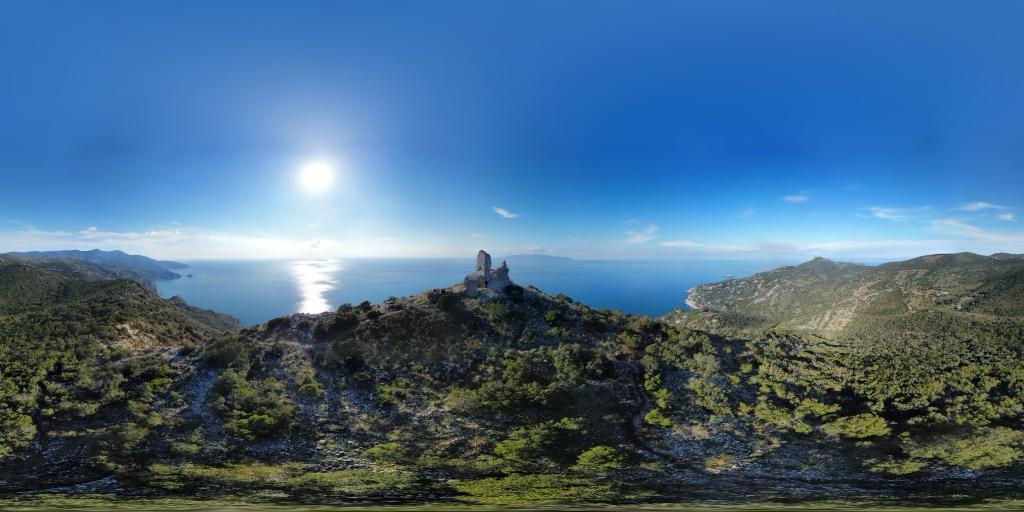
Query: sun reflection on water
[(314, 279)]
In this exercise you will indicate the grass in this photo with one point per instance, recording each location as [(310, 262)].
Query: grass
[(39, 503), (292, 480)]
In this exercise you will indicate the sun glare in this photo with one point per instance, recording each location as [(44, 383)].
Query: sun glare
[(316, 177)]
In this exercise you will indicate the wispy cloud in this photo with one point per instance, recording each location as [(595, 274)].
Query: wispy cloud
[(796, 198), (189, 243), (680, 243), (534, 248), (997, 240), (94, 233), (980, 205), (745, 213), (643, 235), (1007, 216), (504, 213), (711, 247), (955, 227), (897, 214), (836, 248)]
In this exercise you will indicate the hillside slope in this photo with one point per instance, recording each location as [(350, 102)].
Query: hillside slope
[(73, 351), (828, 298), (113, 263)]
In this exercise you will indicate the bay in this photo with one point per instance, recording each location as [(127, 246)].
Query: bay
[(258, 290)]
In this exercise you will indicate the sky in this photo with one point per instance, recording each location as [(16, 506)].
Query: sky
[(644, 130)]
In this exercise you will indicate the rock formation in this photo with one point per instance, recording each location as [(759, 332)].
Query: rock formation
[(484, 277)]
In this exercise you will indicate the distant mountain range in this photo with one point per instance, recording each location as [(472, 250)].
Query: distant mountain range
[(113, 263), (533, 257)]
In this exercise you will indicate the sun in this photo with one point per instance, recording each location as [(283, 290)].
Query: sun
[(316, 177)]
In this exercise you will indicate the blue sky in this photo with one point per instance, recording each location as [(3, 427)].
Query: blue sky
[(670, 130)]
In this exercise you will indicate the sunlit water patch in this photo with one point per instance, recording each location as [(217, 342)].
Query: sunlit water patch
[(314, 279)]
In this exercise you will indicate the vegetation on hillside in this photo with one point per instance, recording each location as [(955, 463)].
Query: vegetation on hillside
[(518, 392)]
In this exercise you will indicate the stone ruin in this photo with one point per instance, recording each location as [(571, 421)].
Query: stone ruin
[(484, 277)]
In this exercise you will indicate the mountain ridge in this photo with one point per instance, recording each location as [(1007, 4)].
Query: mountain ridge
[(826, 297), (119, 263)]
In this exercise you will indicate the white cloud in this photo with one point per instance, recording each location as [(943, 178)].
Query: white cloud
[(839, 249), (987, 241), (534, 248), (746, 213), (980, 205), (897, 214), (879, 248), (955, 227), (710, 247), (680, 243), (504, 213), (796, 198), (640, 236), (1007, 216), (186, 243), (94, 233)]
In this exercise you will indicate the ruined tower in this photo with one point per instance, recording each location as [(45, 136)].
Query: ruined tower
[(484, 277)]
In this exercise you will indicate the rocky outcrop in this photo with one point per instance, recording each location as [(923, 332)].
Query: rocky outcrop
[(486, 278)]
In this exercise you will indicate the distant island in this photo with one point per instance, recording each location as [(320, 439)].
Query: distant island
[(535, 257), (819, 381)]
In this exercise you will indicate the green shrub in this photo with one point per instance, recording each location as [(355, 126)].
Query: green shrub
[(251, 409), (227, 351), (599, 459), (896, 467), (857, 427), (335, 325), (542, 488), (446, 301), (386, 453), (543, 445), (311, 389), (717, 463), (985, 448), (345, 353), (276, 323), (16, 431), (656, 418)]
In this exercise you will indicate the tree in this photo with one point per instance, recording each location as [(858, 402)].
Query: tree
[(16, 431)]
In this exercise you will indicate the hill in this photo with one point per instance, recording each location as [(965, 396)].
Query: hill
[(491, 396), (827, 298), (73, 349), (114, 263)]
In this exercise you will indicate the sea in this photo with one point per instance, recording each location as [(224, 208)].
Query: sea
[(255, 291)]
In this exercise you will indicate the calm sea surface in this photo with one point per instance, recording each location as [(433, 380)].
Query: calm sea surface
[(256, 291)]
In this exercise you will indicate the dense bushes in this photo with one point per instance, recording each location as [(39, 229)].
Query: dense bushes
[(335, 325), (251, 410), (857, 427), (984, 448), (76, 354)]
